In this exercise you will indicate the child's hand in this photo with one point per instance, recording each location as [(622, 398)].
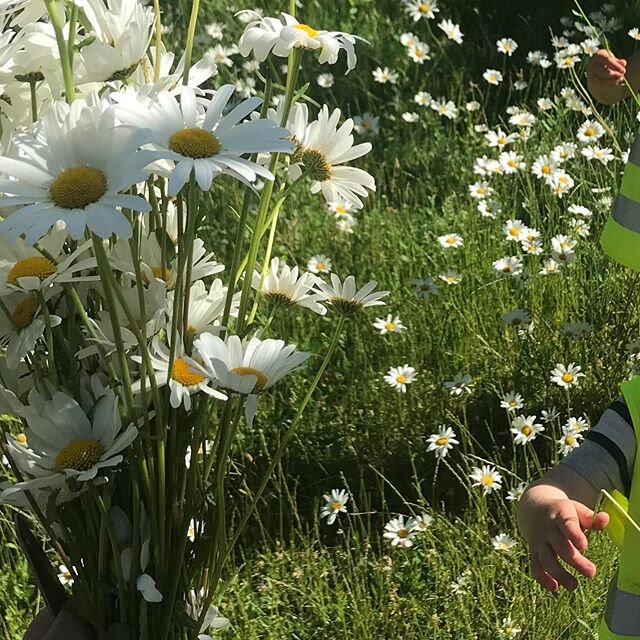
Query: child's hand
[(63, 627), (553, 526), (604, 70)]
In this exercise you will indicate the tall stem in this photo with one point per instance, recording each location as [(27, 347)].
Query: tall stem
[(65, 61), (158, 34), (193, 21)]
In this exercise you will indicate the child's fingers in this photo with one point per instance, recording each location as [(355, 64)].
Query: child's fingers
[(569, 526), (565, 549), (549, 562), (540, 575)]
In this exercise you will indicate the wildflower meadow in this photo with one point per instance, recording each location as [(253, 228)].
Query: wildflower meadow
[(296, 299)]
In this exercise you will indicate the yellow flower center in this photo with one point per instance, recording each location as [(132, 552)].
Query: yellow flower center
[(526, 430), (341, 209), (589, 131), (21, 438), (487, 479), (78, 187), (79, 454), (569, 440), (514, 231), (310, 31), (482, 190), (502, 140), (450, 240), (194, 143), (511, 162), (424, 8), (389, 326), (401, 379), (335, 505), (513, 403), (320, 266), (162, 273), (250, 371), (567, 377), (508, 629), (25, 312), (450, 279), (546, 169), (402, 533), (507, 269), (442, 440), (183, 373), (35, 266)]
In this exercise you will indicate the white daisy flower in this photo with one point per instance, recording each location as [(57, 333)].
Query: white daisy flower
[(445, 108), (515, 493), (472, 105), (567, 376), (450, 278), (579, 210), (423, 98), (460, 385), (544, 167), (442, 441), (408, 39), (246, 368), (506, 46), (550, 267), (410, 116), (185, 377), (514, 230), (384, 76), (545, 104), (367, 124), (400, 377), (509, 629), (283, 286), (400, 533), (634, 33), (560, 182), (511, 162), (62, 178), (263, 36), (345, 298), (492, 76), (489, 208), (570, 440), (450, 241), (325, 80), (319, 264), (208, 144), (419, 52), (498, 138), (602, 154), (335, 503), (480, 190), (503, 542), (576, 424), (421, 523), (486, 477), (418, 9), (390, 324), (508, 266), (590, 131), (538, 58), (64, 575), (525, 429), (451, 30), (322, 149), (512, 401)]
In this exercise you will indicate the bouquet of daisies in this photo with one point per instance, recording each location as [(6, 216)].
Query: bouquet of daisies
[(132, 356)]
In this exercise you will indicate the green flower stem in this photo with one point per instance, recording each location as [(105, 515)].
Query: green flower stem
[(67, 73), (275, 460), (158, 35), (242, 222), (73, 21), (193, 222), (49, 339), (265, 197), (191, 32), (34, 101)]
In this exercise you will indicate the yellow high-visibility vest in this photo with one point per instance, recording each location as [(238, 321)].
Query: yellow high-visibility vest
[(620, 237), (621, 619)]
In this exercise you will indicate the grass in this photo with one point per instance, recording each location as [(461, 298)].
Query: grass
[(295, 577)]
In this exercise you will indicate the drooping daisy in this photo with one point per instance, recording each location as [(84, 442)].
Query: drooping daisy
[(451, 30), (424, 287), (62, 178), (400, 533), (64, 575), (209, 144), (323, 149), (515, 493), (525, 429), (567, 376), (335, 503), (549, 267), (283, 286), (319, 264), (345, 298), (247, 368), (486, 477), (400, 377), (263, 36), (390, 324), (442, 441), (384, 76), (367, 124), (421, 523), (503, 542), (634, 33), (508, 266), (183, 379), (460, 385)]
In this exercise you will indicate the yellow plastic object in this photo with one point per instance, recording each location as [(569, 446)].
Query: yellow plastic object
[(616, 505)]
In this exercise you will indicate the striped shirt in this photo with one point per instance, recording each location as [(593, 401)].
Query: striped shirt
[(606, 457)]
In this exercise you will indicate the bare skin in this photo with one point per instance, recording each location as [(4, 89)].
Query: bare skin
[(553, 514), (606, 75)]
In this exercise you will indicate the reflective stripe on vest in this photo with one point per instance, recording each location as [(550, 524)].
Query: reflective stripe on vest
[(620, 237), (621, 619)]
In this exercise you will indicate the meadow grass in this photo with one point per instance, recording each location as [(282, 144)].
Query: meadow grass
[(297, 578)]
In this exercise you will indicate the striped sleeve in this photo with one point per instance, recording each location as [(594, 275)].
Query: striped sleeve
[(607, 455)]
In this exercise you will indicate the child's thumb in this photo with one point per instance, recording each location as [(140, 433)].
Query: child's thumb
[(587, 519)]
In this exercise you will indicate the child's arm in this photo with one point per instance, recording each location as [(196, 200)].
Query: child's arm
[(605, 74), (552, 514)]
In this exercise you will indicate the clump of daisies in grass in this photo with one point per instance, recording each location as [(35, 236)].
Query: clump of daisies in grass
[(139, 346)]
